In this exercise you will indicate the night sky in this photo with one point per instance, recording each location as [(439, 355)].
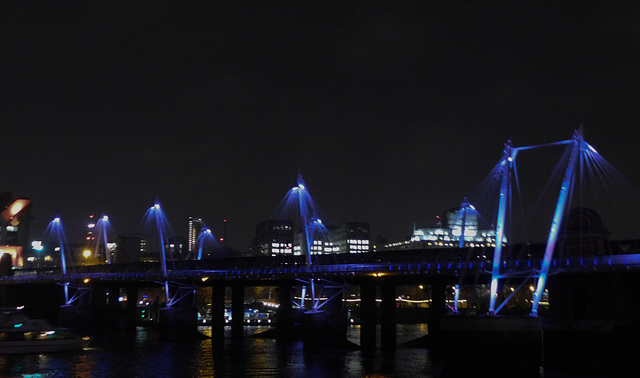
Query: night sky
[(391, 110)]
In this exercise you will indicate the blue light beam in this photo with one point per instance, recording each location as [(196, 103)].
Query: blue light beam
[(205, 239), (55, 231)]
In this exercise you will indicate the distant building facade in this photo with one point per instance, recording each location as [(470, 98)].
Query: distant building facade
[(353, 237), (277, 237), (131, 248), (584, 234), (274, 237), (448, 234), (14, 228), (194, 227), (322, 244)]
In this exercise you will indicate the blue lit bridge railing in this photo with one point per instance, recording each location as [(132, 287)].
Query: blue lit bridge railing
[(415, 264)]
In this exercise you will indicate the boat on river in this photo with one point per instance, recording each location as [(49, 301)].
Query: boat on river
[(20, 334)]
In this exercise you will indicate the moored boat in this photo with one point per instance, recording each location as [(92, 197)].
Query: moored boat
[(20, 334)]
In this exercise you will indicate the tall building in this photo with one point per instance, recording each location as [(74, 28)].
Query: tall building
[(274, 237), (353, 237), (194, 227)]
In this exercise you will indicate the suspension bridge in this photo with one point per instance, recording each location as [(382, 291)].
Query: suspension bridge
[(321, 279)]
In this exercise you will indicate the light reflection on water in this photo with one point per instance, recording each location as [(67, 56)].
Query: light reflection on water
[(254, 357)]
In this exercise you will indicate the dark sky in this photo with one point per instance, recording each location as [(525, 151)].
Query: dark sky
[(391, 110)]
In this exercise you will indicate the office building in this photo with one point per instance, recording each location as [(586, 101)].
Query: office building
[(194, 226), (448, 234), (277, 237)]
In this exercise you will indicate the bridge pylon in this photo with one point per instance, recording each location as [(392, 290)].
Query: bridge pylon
[(506, 167)]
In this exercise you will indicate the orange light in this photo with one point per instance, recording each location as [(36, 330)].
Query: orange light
[(15, 207)]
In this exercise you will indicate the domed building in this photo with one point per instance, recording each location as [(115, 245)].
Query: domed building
[(584, 234)]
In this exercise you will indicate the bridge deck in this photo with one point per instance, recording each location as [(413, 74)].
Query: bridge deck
[(447, 264)]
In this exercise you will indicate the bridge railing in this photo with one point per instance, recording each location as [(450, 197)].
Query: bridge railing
[(458, 262)]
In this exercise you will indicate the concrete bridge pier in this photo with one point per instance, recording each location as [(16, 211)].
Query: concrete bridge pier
[(78, 314), (180, 321), (217, 312), (286, 316), (592, 325), (237, 311), (131, 309), (100, 308), (114, 308), (368, 315), (326, 327), (437, 311), (388, 340)]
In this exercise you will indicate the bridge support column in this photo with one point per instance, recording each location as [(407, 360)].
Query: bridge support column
[(326, 327), (100, 308), (437, 310), (114, 309), (237, 311), (587, 310), (131, 309), (68, 316), (179, 321), (77, 314), (217, 312), (285, 319), (388, 319), (367, 315)]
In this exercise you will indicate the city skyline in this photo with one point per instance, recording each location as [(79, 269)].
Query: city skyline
[(392, 112)]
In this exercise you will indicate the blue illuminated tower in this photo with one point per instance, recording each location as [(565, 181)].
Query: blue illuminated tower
[(157, 226), (466, 209), (299, 207), (205, 239), (55, 231), (579, 151), (504, 169), (156, 223), (298, 203), (103, 228), (578, 147)]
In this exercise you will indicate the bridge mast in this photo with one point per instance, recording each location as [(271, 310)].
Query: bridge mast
[(578, 144), (104, 221), (304, 217), (462, 214), (505, 166)]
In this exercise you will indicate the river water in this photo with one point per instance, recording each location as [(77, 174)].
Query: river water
[(146, 356)]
